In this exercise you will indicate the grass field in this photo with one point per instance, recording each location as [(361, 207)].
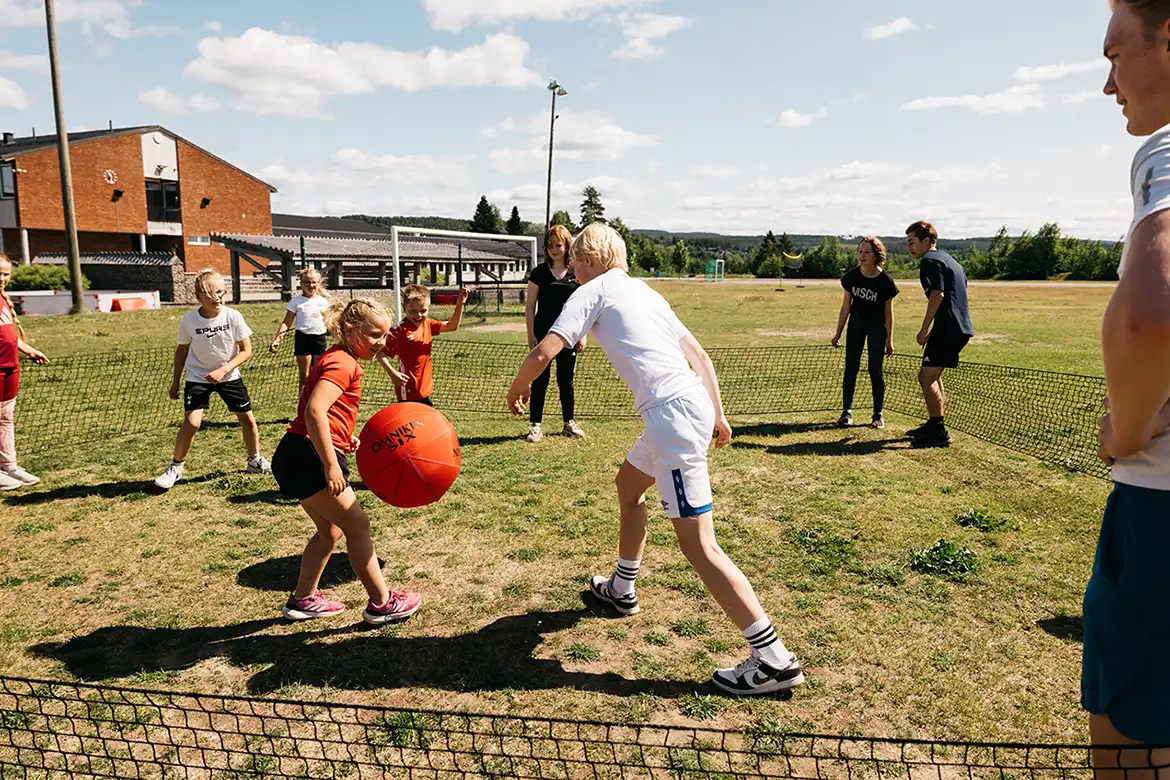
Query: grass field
[(105, 581)]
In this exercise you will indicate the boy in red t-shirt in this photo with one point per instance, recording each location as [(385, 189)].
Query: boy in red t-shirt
[(411, 340), (12, 343)]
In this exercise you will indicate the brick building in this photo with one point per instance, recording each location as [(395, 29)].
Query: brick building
[(135, 190)]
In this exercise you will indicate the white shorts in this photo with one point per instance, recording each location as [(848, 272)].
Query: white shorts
[(673, 450)]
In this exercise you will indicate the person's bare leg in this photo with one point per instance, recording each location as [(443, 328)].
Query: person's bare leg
[(726, 583), (632, 485), (317, 553), (346, 513), (930, 379), (187, 432), (251, 433), (304, 364), (1136, 764)]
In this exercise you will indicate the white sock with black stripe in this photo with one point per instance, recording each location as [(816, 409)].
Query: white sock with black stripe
[(762, 636), (622, 581)]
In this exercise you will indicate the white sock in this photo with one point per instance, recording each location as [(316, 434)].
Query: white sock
[(762, 636), (622, 581)]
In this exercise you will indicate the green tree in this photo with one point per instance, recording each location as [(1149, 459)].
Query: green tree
[(785, 245), (561, 217), (826, 261), (766, 251), (592, 209), (1034, 256), (680, 257), (487, 218), (515, 226)]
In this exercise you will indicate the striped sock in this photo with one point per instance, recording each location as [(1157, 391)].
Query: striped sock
[(622, 581), (761, 636)]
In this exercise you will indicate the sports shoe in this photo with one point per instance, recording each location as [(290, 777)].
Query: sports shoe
[(258, 465), (171, 474), (845, 419), (753, 677), (534, 433), (401, 605), (316, 606), (22, 476), (574, 430), (9, 483), (914, 433), (935, 437), (625, 605), (878, 421)]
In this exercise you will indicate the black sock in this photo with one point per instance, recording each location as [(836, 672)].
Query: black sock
[(177, 462), (935, 421)]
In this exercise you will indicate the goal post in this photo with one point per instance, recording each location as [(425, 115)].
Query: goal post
[(397, 231)]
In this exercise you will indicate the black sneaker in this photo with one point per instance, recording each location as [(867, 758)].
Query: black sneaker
[(845, 420), (625, 605), (754, 677), (932, 437), (914, 433)]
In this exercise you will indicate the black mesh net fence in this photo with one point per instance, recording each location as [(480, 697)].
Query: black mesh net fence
[(54, 729), (100, 397)]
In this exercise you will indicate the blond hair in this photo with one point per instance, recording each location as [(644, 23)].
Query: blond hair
[(603, 242), (202, 279), (343, 316), (879, 250), (561, 232), (1154, 13), (415, 291), (309, 273)]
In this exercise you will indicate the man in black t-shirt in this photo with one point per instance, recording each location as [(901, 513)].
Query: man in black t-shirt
[(946, 328)]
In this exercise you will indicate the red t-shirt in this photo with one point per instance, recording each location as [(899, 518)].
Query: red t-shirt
[(412, 345), (342, 369), (9, 335)]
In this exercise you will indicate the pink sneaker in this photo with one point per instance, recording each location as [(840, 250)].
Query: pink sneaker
[(315, 606), (401, 605)]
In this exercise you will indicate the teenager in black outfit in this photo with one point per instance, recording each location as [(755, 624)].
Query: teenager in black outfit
[(869, 308), (549, 285)]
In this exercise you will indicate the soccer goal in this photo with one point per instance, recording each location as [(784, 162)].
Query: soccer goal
[(481, 253), (715, 268)]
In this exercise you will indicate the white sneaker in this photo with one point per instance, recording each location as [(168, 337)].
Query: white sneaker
[(574, 430), (258, 465), (753, 677), (171, 474), (9, 483), (625, 605), (534, 434), (22, 476)]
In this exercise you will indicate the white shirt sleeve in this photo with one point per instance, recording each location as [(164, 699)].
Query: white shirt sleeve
[(240, 329), (1151, 177), (580, 313), (184, 333), (294, 304)]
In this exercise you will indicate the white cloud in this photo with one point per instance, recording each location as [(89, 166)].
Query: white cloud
[(274, 73), (642, 29), (34, 62), (899, 26), (1013, 100), (511, 162), (162, 99), (215, 26), (12, 95), (1073, 98), (615, 193), (792, 118), (856, 171), (939, 176), (455, 15), (583, 135), (111, 17), (438, 170), (716, 171), (1059, 71)]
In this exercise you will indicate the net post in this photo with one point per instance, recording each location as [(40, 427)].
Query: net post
[(397, 274)]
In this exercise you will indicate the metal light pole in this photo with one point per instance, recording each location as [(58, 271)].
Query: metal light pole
[(556, 90), (66, 172)]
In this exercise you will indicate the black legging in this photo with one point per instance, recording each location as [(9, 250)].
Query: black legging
[(855, 337), (566, 365)]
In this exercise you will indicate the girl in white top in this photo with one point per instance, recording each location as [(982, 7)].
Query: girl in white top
[(307, 311)]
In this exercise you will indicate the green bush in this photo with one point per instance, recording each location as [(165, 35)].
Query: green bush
[(42, 277), (946, 559)]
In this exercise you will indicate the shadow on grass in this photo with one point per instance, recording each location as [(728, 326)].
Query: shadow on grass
[(825, 448), (477, 441), (495, 657), (280, 574), (102, 490), (263, 497), (780, 429), (1068, 627)]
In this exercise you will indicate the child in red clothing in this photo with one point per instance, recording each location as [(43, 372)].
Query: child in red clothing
[(411, 340), (12, 476), (310, 465)]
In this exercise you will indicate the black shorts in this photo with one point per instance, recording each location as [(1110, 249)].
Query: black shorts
[(943, 348), (308, 344), (197, 395), (298, 470)]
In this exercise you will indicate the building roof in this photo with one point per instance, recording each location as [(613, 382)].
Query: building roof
[(108, 258), (18, 147), (414, 248), (333, 227)]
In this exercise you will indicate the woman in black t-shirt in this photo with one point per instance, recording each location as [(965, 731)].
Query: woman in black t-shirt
[(549, 285), (869, 307)]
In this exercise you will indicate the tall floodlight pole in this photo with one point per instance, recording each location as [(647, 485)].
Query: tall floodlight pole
[(63, 156), (556, 91)]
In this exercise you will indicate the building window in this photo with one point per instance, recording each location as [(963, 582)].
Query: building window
[(198, 240), (162, 201), (7, 182)]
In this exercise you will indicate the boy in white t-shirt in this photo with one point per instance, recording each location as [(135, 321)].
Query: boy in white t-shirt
[(214, 341), (657, 357)]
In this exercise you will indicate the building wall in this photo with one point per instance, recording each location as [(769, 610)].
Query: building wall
[(41, 241), (38, 187), (239, 204)]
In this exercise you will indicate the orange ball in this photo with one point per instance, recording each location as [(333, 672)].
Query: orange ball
[(409, 454)]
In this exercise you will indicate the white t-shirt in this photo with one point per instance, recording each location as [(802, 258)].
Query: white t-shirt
[(1150, 185), (638, 332), (310, 314), (213, 342)]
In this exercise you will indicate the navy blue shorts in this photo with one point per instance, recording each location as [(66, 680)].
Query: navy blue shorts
[(1126, 663)]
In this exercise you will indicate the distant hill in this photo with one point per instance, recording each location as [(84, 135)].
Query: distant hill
[(802, 241)]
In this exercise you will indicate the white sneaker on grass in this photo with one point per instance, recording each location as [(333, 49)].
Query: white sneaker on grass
[(9, 483), (754, 677), (258, 464), (534, 433), (574, 430), (602, 589), (22, 476), (171, 474)]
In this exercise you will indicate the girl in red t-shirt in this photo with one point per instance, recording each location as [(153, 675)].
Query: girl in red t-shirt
[(310, 465), (12, 476)]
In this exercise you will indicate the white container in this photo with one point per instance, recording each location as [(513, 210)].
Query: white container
[(61, 301)]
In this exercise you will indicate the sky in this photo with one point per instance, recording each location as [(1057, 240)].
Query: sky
[(843, 117)]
